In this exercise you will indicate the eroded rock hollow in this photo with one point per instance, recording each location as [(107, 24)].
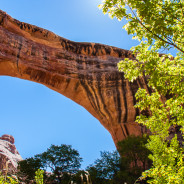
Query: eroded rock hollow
[(84, 72)]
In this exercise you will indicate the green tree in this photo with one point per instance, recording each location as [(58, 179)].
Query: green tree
[(134, 158), (4, 179), (28, 167), (104, 170), (133, 149), (63, 161), (123, 167), (39, 176), (158, 25)]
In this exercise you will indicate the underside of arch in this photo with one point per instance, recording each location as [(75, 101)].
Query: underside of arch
[(84, 72)]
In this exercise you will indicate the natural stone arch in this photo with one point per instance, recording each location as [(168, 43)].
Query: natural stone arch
[(84, 72)]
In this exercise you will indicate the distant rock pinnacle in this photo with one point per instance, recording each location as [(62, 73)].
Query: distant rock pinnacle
[(9, 156)]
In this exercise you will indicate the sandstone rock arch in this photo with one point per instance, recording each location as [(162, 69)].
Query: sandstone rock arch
[(84, 72)]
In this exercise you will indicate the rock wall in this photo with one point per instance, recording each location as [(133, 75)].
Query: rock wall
[(84, 72), (9, 156)]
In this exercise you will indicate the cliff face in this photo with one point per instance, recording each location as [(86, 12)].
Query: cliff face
[(84, 72), (9, 155)]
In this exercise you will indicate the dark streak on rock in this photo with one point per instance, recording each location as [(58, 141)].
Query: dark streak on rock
[(45, 55), (18, 54), (133, 87), (127, 133), (77, 85), (102, 100), (124, 99), (118, 101), (67, 82)]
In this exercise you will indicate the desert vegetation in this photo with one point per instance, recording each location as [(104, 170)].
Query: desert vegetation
[(158, 26), (62, 164)]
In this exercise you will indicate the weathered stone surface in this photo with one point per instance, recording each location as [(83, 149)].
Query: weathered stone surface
[(84, 72), (9, 156)]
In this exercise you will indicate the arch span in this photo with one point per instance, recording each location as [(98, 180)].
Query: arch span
[(84, 72)]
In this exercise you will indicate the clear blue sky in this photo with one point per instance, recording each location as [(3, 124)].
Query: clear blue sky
[(37, 116)]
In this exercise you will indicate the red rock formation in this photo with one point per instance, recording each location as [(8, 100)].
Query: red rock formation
[(84, 72), (9, 156)]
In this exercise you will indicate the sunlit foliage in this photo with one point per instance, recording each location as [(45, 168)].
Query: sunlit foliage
[(159, 26)]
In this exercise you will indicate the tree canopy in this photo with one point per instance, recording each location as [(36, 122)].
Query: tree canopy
[(158, 25), (61, 158), (134, 156), (63, 161), (104, 169), (122, 167), (28, 167), (160, 22)]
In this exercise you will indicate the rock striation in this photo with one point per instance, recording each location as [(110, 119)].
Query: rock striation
[(9, 156), (84, 72)]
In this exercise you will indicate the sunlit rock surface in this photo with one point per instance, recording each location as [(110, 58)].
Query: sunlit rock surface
[(9, 156), (84, 72)]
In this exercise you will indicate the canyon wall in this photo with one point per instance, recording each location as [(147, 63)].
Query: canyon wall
[(84, 72)]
